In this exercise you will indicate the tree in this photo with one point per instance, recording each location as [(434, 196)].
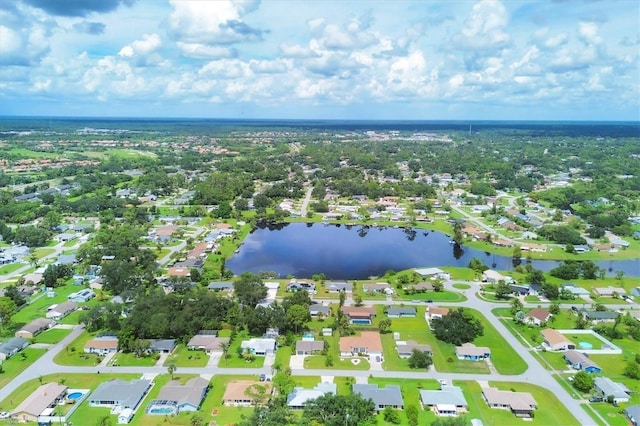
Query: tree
[(516, 305), (391, 415), (258, 394), (7, 309), (550, 291), (449, 421), (503, 291), (457, 327), (632, 370), (458, 235), (412, 413), (384, 325), (249, 289), (583, 381), (339, 410), (297, 316), (554, 308), (171, 369), (196, 420), (13, 293), (536, 276), (104, 421), (358, 300), (419, 359)]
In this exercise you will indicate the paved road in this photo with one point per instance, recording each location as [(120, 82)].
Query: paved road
[(305, 202), (534, 374)]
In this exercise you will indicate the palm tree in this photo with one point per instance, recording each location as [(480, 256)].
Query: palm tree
[(104, 421), (171, 368)]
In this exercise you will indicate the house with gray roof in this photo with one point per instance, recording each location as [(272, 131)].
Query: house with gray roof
[(599, 316), (179, 398), (579, 361), (405, 349), (633, 414), (35, 327), (309, 347), (448, 401), (471, 352), (66, 259), (339, 286), (118, 393), (220, 286), (12, 346), (57, 312), (317, 309), (608, 388), (402, 312), (299, 396), (162, 345), (381, 397)]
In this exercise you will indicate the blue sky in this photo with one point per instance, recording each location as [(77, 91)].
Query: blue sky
[(468, 60)]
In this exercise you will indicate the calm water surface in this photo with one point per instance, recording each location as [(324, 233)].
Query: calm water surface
[(357, 252)]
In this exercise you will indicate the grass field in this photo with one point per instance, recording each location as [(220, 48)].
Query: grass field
[(130, 360), (183, 357), (7, 269), (73, 353), (52, 336), (213, 402), (18, 363)]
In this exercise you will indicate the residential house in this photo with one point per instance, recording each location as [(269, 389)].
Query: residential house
[(448, 401), (471, 352), (221, 286), (295, 285), (574, 290), (165, 233), (309, 347), (381, 397), (66, 259), (421, 287), (120, 395), (35, 278), (383, 288), (435, 312), (35, 327), (521, 404), (520, 289), (299, 396), (178, 271), (402, 312), (57, 312), (208, 341), (537, 316), (359, 315), (429, 272), (406, 348), (235, 393), (339, 286), (12, 346), (367, 344), (179, 398), (46, 396), (63, 238), (318, 309), (553, 340), (635, 291), (610, 389), (102, 345), (260, 346), (609, 291), (579, 361), (599, 316), (633, 414), (492, 277), (82, 296), (165, 346)]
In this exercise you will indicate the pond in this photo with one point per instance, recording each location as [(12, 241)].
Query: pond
[(359, 252)]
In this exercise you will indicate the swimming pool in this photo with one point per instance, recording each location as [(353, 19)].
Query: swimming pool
[(74, 395), (361, 322), (161, 410), (585, 345)]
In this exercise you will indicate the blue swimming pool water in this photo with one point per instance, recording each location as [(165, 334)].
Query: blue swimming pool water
[(361, 322), (585, 345), (167, 410), (75, 395)]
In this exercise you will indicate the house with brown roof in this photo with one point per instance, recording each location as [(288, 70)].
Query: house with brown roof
[(35, 327), (368, 344), (521, 404), (102, 345), (235, 393), (553, 340), (207, 341), (537, 316), (471, 352), (46, 396), (436, 312), (359, 315), (178, 271)]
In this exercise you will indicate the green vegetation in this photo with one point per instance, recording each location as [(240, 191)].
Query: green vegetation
[(183, 357)]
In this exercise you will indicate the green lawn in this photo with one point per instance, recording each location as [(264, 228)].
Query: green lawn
[(213, 401), (235, 360), (436, 296), (73, 353), (318, 362), (38, 308), (52, 336), (462, 286), (131, 360), (7, 269), (183, 357), (18, 363), (550, 411)]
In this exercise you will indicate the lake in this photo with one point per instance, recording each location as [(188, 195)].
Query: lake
[(359, 252)]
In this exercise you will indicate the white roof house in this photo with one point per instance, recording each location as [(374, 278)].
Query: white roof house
[(299, 396), (448, 401)]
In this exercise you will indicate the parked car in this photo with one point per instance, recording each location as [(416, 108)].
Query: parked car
[(263, 377), (4, 415), (596, 399), (429, 301)]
